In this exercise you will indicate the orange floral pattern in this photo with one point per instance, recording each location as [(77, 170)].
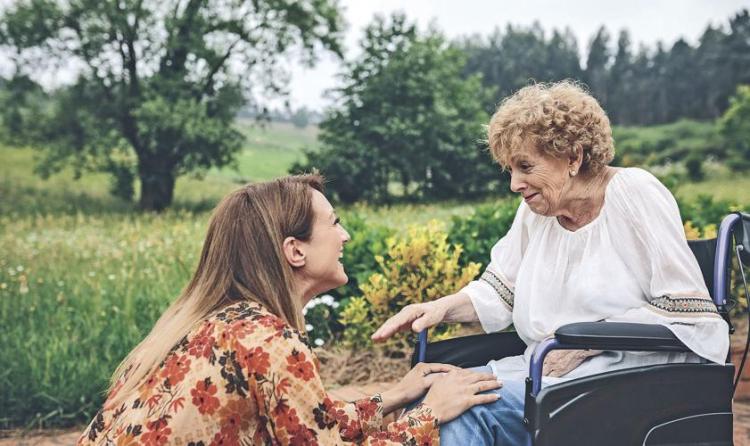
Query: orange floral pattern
[(246, 377)]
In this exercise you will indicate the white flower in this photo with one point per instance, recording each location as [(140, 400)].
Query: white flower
[(19, 268), (335, 305), (319, 342), (308, 327), (327, 299), (310, 305)]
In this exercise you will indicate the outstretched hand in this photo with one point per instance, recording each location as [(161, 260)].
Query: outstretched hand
[(416, 317)]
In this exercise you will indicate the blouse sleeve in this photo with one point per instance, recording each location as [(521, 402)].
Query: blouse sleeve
[(297, 410), (492, 294), (647, 222)]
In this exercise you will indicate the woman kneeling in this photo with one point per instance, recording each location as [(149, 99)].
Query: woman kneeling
[(229, 363)]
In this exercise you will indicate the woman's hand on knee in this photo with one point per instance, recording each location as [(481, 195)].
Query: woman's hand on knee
[(453, 393), (416, 317), (414, 384)]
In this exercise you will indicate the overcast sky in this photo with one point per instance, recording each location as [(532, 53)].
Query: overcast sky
[(648, 21)]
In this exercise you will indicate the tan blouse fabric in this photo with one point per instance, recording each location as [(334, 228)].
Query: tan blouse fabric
[(246, 377)]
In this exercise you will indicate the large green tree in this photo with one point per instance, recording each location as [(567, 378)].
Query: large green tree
[(406, 122), (158, 82)]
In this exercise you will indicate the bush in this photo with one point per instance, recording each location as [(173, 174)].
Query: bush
[(734, 126), (703, 210), (367, 241), (418, 267), (477, 233)]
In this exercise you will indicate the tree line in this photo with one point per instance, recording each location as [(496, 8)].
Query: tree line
[(637, 86)]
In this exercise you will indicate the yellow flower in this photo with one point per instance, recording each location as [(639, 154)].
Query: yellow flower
[(691, 232)]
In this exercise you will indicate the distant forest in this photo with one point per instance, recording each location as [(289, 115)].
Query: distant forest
[(637, 86)]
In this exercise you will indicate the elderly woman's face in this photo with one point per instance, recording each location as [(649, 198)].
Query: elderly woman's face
[(539, 178)]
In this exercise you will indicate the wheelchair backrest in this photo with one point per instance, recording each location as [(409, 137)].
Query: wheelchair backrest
[(705, 253), (734, 232)]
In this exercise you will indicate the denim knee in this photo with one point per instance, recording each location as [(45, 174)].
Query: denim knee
[(497, 423)]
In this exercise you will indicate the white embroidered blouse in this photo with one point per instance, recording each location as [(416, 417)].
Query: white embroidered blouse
[(630, 264)]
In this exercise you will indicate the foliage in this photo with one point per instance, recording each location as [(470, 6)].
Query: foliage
[(160, 81), (368, 240), (508, 59), (405, 117), (735, 128), (420, 267), (703, 211), (321, 317), (669, 143), (478, 232)]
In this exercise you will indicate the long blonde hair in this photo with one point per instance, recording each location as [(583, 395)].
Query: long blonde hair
[(241, 260)]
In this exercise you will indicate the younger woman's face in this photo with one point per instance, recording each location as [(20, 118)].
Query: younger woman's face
[(323, 269)]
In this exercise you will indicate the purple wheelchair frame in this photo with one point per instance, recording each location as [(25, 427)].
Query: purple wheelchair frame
[(723, 246)]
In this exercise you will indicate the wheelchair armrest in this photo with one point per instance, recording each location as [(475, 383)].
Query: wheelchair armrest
[(619, 336), (622, 336), (468, 351)]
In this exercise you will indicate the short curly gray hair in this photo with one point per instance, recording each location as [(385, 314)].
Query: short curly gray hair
[(560, 119)]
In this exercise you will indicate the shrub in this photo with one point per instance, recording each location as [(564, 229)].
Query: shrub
[(477, 233), (367, 241), (703, 210), (418, 267)]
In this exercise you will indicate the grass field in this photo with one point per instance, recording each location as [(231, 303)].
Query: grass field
[(83, 276)]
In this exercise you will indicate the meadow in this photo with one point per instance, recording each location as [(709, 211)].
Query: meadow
[(83, 276)]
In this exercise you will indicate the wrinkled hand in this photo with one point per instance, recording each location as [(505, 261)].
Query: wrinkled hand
[(416, 317), (559, 362), (455, 392), (414, 384)]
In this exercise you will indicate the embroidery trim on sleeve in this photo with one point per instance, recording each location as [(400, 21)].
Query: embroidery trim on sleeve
[(499, 286), (684, 304)]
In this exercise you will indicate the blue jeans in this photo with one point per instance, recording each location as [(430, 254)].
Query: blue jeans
[(497, 424)]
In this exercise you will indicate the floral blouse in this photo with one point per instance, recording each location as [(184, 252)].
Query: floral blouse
[(246, 377)]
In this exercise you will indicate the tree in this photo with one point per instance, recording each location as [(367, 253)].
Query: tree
[(159, 82), (511, 59), (405, 117), (300, 118), (597, 65), (620, 82), (734, 127)]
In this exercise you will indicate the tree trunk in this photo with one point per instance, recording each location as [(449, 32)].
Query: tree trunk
[(157, 188)]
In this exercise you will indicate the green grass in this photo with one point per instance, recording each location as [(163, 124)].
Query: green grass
[(269, 151), (721, 184)]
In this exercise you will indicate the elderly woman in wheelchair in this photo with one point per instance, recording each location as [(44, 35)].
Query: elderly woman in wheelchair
[(589, 243)]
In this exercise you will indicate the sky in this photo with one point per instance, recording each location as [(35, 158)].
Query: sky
[(648, 21)]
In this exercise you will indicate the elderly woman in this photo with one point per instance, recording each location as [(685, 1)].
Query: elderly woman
[(589, 243), (228, 362)]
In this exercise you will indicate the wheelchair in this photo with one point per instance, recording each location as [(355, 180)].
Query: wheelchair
[(671, 404)]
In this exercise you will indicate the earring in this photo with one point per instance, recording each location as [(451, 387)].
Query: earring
[(573, 172)]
